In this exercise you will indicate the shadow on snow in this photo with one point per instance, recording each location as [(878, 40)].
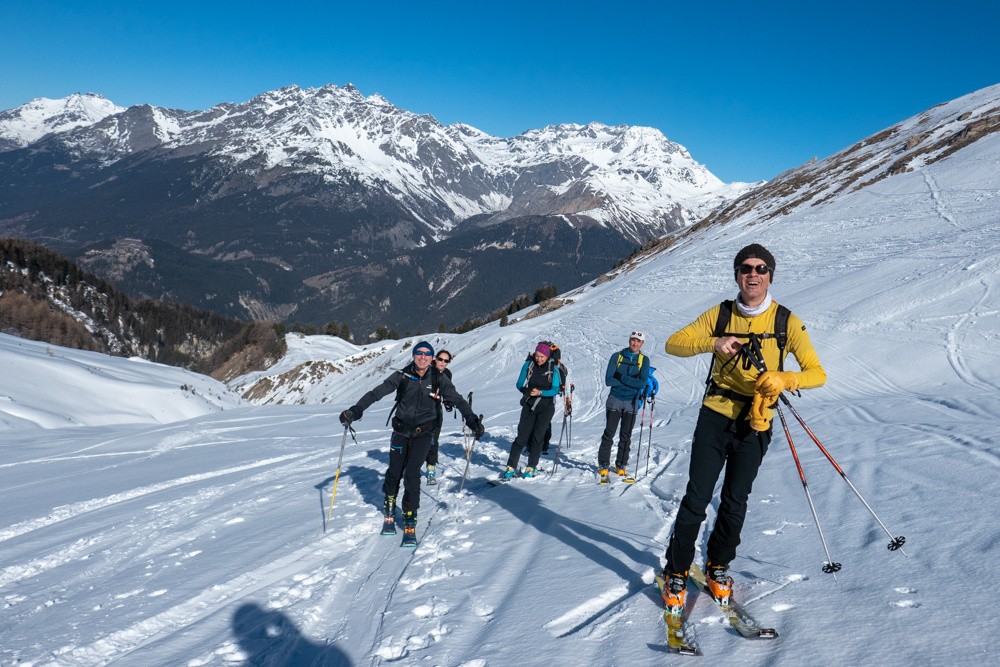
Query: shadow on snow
[(270, 639)]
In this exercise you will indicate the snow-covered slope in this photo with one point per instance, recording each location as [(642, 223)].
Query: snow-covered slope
[(55, 388), (206, 542), (907, 146)]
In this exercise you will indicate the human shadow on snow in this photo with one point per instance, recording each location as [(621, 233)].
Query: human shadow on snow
[(367, 481), (270, 639), (583, 537), (592, 542)]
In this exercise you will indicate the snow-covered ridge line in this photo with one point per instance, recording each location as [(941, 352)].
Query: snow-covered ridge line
[(441, 174)]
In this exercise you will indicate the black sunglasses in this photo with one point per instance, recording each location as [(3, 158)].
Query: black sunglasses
[(761, 269), (444, 359)]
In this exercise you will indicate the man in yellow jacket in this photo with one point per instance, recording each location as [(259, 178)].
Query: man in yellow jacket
[(734, 424)]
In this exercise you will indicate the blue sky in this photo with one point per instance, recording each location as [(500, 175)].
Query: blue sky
[(751, 89)]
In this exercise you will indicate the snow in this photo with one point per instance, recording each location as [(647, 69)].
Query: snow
[(57, 388), (147, 525), (41, 116)]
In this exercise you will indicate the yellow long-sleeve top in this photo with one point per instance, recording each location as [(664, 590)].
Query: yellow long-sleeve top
[(699, 337)]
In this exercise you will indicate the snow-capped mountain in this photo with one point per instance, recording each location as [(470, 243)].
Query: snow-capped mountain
[(624, 177), (633, 177), (41, 117), (314, 194)]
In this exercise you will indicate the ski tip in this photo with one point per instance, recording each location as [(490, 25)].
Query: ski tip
[(685, 650), (767, 633)]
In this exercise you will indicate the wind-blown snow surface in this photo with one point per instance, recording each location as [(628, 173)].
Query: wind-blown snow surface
[(202, 541), (52, 387)]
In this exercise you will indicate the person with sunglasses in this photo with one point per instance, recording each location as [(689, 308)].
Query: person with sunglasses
[(733, 430), (419, 389), (441, 362), (626, 374)]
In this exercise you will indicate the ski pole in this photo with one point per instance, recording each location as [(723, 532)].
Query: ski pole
[(649, 445), (569, 433), (555, 463), (638, 450), (336, 477), (468, 446), (830, 567), (468, 457), (896, 542)]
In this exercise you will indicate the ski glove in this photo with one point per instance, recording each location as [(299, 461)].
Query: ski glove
[(760, 413), (770, 384), (348, 416), (475, 425)]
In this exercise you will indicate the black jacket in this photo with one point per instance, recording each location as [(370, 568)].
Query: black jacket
[(418, 406)]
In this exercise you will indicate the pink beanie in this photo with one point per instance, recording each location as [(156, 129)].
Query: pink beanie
[(544, 349)]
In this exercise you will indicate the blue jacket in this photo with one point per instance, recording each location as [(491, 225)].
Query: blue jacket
[(627, 374), (652, 386)]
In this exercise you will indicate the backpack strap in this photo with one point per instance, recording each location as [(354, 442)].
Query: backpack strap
[(780, 335), (638, 365), (401, 390)]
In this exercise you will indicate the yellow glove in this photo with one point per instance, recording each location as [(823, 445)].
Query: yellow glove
[(760, 413), (770, 384)]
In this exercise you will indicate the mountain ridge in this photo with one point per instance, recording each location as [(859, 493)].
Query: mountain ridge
[(328, 182)]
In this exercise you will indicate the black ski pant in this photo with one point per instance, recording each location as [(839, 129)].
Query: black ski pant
[(406, 457), (530, 430), (627, 421), (432, 453), (718, 443)]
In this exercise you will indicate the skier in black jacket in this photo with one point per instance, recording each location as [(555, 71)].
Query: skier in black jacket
[(441, 362), (419, 388)]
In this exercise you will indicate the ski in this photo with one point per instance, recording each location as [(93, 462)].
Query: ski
[(432, 481), (389, 525), (739, 619), (604, 480), (675, 628), (409, 537), (629, 480)]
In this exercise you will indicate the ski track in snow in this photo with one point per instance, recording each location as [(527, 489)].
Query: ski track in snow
[(955, 349), (68, 512), (939, 204), (127, 640)]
